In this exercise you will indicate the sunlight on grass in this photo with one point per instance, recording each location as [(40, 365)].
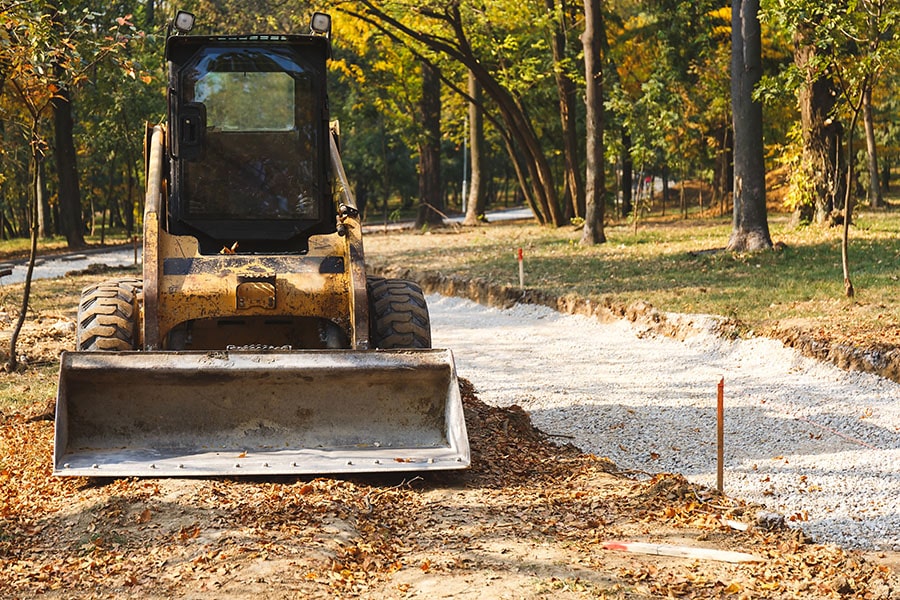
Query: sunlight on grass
[(681, 267)]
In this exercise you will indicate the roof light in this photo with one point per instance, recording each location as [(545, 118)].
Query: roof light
[(184, 21), (320, 24)]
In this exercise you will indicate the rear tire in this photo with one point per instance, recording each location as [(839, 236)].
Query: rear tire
[(108, 316), (398, 314)]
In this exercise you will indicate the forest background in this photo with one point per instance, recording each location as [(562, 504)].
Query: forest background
[(465, 106)]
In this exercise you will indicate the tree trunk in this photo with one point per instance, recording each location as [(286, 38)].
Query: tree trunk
[(627, 174), (723, 176), (848, 198), (431, 200), (149, 14), (567, 92), (820, 169), (67, 172), (750, 227), (37, 158), (42, 207), (875, 199), (129, 203), (595, 182), (477, 198)]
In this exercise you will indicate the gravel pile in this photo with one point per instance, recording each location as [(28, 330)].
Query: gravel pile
[(819, 445)]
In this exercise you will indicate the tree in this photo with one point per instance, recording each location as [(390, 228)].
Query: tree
[(72, 223), (567, 92), (750, 227), (431, 200), (443, 30), (818, 176), (476, 197), (842, 50), (592, 232), (37, 64), (851, 46)]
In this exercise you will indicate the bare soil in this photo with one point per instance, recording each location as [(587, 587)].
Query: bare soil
[(529, 520)]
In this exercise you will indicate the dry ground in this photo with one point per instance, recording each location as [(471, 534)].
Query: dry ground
[(528, 520)]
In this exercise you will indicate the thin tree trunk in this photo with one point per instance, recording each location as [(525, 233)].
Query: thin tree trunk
[(627, 175), (848, 199), (595, 184), (37, 157), (875, 198), (431, 201), (476, 201), (567, 113)]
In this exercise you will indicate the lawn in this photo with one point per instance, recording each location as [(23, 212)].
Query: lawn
[(681, 266)]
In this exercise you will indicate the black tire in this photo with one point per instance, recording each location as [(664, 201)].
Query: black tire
[(108, 316), (398, 314)]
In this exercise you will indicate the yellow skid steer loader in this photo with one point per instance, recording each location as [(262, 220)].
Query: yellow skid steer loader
[(254, 343)]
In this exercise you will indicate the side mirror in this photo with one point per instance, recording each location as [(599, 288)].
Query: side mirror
[(190, 131)]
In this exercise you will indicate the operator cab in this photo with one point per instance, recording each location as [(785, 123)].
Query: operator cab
[(248, 127)]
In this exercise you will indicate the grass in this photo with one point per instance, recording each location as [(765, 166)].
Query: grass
[(681, 266)]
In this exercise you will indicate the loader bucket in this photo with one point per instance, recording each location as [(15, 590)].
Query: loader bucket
[(184, 414)]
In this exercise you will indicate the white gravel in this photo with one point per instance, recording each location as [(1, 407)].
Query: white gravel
[(50, 266), (817, 444)]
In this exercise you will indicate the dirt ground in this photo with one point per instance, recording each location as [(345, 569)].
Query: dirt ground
[(530, 519)]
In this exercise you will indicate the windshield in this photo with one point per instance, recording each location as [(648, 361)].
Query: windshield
[(260, 154)]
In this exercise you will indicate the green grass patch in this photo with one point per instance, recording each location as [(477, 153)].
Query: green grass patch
[(681, 266)]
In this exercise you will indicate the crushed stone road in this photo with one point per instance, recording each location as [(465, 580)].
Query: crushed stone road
[(819, 445)]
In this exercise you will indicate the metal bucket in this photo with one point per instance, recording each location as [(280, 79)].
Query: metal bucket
[(155, 414)]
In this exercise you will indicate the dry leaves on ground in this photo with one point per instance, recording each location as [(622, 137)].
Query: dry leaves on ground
[(527, 520)]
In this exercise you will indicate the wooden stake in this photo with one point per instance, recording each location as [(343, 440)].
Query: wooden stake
[(682, 551), (720, 436), (521, 270)]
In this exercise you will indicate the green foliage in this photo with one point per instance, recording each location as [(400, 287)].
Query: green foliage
[(856, 41), (46, 50), (671, 89), (790, 156)]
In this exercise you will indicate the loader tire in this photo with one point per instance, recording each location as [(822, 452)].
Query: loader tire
[(398, 314), (108, 316)]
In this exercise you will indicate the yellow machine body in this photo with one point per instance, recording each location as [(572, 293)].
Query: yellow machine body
[(278, 356)]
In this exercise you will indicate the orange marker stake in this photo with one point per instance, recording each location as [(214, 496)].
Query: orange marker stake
[(720, 434), (521, 270)]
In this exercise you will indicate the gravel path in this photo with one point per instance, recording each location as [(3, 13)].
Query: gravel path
[(817, 444)]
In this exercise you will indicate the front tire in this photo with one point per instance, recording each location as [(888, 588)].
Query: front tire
[(108, 316), (398, 314)]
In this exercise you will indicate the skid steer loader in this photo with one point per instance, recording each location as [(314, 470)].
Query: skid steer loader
[(254, 343)]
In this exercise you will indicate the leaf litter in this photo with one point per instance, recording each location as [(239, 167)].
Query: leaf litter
[(528, 520)]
